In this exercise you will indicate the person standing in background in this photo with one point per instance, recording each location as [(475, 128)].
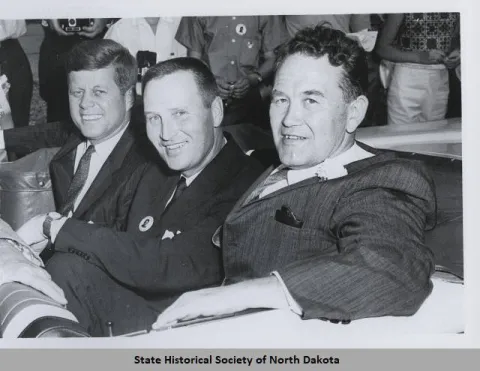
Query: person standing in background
[(15, 66), (420, 46), (150, 40), (240, 52)]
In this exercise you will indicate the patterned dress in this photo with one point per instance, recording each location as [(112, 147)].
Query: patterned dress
[(427, 31)]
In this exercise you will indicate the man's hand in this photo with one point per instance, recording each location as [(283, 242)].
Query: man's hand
[(38, 247), (256, 293), (242, 87), (97, 28), (14, 267), (32, 232), (54, 25), (453, 59), (224, 88)]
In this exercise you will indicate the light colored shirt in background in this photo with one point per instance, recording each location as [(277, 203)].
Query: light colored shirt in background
[(136, 34), (12, 29)]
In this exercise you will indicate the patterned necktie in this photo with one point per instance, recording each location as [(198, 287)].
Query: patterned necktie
[(181, 186), (272, 179), (78, 181)]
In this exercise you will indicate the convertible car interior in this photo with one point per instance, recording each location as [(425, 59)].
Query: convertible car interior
[(26, 313)]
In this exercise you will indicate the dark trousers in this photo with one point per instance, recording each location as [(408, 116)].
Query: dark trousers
[(15, 65), (94, 297), (454, 108), (52, 75)]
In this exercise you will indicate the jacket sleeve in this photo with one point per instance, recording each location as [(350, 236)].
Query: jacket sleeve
[(382, 266), (187, 261), (24, 140)]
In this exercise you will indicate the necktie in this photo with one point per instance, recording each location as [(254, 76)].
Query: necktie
[(78, 181), (272, 179), (181, 186)]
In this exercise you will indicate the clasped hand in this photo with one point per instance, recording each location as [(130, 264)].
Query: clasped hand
[(238, 89), (32, 233)]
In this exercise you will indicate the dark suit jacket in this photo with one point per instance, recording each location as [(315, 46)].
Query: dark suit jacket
[(360, 251), (108, 199), (161, 269)]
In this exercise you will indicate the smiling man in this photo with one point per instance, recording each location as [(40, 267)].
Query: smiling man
[(129, 277), (96, 172), (336, 231)]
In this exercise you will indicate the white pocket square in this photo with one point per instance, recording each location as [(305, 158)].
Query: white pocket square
[(168, 234)]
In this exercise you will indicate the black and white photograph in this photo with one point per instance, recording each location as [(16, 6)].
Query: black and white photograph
[(234, 180)]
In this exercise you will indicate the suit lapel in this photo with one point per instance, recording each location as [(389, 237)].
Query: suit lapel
[(170, 186), (248, 192), (61, 169), (105, 176)]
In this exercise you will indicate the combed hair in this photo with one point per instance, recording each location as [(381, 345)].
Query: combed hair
[(201, 73), (342, 52), (92, 55)]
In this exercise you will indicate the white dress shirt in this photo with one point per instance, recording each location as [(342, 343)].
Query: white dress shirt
[(354, 153), (102, 151)]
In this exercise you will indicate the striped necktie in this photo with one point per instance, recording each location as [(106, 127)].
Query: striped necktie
[(272, 179), (78, 181)]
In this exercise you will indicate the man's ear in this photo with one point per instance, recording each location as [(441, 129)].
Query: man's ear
[(130, 98), (356, 113), (217, 111)]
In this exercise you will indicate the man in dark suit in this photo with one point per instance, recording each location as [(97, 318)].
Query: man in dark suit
[(336, 231), (129, 277), (96, 172)]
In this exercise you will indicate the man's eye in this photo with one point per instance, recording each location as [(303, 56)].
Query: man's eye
[(310, 101), (153, 119), (76, 93), (179, 113), (279, 100), (99, 93)]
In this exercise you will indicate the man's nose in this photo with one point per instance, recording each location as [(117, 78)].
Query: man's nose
[(167, 130), (86, 101), (292, 116)]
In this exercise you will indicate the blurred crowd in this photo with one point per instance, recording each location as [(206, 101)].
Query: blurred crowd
[(414, 60)]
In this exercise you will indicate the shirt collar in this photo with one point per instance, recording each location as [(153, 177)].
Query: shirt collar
[(144, 22), (103, 149), (331, 168), (190, 179)]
